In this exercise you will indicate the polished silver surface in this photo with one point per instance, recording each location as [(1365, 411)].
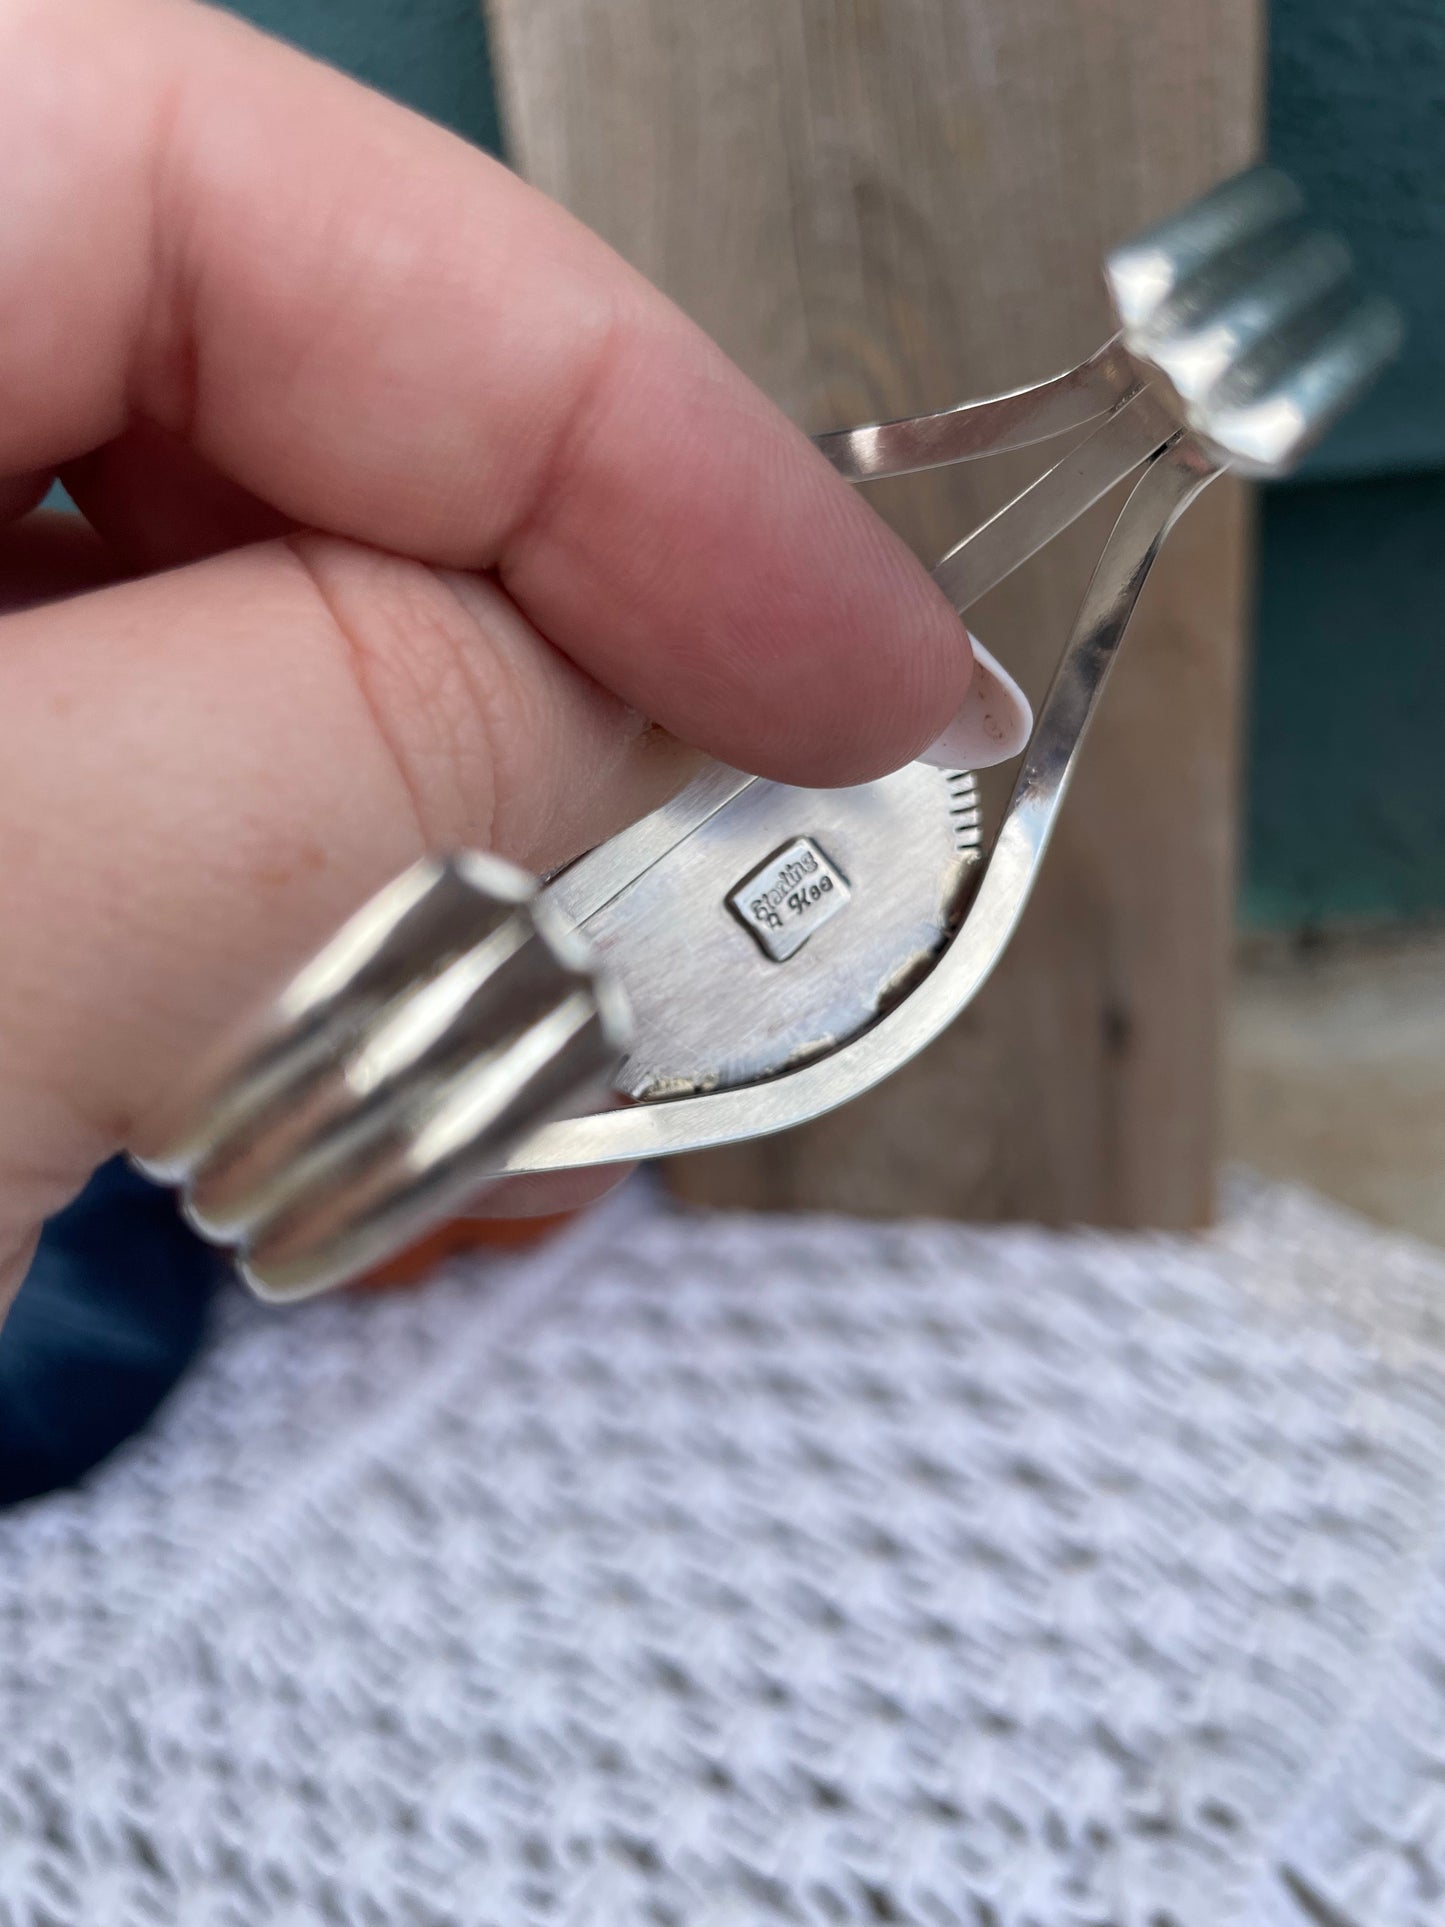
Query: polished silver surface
[(1151, 270), (1253, 321), (450, 1015), (1060, 496), (1249, 321), (1102, 383), (586, 886), (1242, 337), (715, 1003), (782, 950), (694, 1122)]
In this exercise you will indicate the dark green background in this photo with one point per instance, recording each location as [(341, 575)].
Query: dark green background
[(1346, 798), (1346, 808), (432, 54)]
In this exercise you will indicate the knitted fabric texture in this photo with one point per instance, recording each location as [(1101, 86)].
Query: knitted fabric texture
[(729, 1571)]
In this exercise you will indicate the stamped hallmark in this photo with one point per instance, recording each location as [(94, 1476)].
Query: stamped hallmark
[(789, 897)]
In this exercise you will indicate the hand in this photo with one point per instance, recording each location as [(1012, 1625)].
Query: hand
[(415, 520)]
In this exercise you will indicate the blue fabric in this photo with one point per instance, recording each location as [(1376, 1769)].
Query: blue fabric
[(110, 1314)]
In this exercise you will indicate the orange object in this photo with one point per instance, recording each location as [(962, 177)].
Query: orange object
[(463, 1234)]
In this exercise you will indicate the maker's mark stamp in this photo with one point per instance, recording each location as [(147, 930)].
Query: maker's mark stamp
[(785, 900)]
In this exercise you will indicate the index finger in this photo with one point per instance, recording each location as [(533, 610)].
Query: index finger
[(386, 334)]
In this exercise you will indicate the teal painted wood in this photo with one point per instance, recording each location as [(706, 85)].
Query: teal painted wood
[(431, 54), (1357, 115), (1346, 807)]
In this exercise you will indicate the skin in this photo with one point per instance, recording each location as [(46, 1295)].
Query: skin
[(416, 520)]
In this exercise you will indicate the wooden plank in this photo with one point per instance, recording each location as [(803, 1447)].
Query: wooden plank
[(879, 209)]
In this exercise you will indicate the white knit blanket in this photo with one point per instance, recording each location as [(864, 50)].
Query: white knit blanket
[(724, 1571)]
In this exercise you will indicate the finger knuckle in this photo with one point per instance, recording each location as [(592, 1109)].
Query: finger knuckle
[(447, 701)]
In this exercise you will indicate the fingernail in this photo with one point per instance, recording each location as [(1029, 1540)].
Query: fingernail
[(994, 723)]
